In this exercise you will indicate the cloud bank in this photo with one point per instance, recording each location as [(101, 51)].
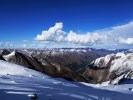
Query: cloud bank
[(7, 44), (57, 34), (119, 35), (125, 41)]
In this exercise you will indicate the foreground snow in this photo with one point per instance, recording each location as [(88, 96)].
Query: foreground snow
[(20, 83)]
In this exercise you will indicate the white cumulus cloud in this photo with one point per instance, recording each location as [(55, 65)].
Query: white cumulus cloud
[(125, 41), (113, 37), (85, 38), (56, 34)]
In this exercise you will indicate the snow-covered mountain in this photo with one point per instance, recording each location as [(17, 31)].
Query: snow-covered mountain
[(74, 59), (79, 64), (20, 83), (112, 68), (51, 68), (67, 63)]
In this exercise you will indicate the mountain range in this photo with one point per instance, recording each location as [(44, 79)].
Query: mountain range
[(75, 64)]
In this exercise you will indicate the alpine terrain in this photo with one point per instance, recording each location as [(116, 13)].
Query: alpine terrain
[(66, 73)]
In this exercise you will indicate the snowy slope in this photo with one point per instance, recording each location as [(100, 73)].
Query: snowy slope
[(19, 83), (123, 64), (103, 61), (116, 66), (7, 57), (120, 61)]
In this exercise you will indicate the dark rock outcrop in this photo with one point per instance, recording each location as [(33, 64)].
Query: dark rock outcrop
[(52, 69), (113, 68)]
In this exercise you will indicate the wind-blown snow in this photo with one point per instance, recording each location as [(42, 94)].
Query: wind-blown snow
[(123, 64), (120, 65), (7, 68), (7, 57), (120, 62), (102, 61), (20, 83)]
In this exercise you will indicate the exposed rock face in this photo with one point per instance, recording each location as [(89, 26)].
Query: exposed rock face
[(113, 68), (4, 52), (74, 59), (49, 68), (82, 65), (24, 60), (1, 58)]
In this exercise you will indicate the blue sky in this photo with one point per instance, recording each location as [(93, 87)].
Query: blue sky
[(66, 23)]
